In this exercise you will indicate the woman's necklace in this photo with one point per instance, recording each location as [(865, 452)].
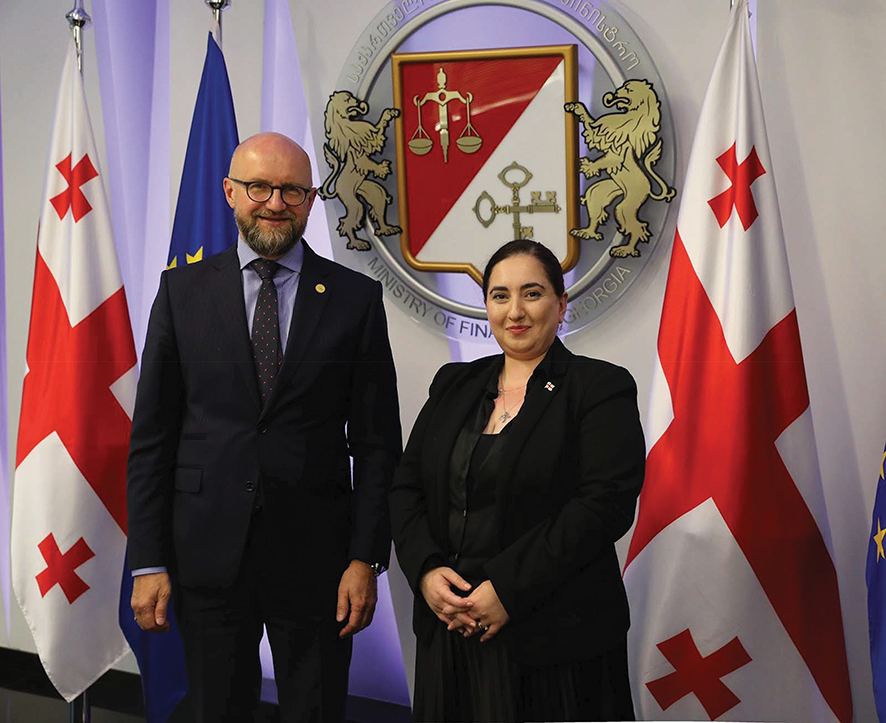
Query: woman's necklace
[(502, 392)]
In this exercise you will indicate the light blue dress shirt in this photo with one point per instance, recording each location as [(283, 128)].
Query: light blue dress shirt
[(286, 281)]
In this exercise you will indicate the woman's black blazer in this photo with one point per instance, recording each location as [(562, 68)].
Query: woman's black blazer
[(570, 470)]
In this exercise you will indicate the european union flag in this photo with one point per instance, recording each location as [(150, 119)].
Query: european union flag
[(204, 223), (876, 579)]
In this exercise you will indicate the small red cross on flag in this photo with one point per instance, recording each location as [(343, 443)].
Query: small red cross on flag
[(731, 539), (79, 389), (61, 567), (738, 195), (72, 197), (699, 675)]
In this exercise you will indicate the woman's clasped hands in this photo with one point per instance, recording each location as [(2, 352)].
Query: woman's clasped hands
[(481, 611)]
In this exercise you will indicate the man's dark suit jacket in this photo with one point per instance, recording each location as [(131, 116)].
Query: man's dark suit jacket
[(202, 441), (568, 475)]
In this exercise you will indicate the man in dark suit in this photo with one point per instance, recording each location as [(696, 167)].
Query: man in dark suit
[(265, 368)]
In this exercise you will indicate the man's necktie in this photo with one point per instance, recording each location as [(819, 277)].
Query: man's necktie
[(266, 328)]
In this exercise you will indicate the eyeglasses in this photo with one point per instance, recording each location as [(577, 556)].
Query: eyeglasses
[(260, 192)]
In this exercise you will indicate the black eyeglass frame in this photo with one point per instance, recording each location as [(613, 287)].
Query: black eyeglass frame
[(288, 186)]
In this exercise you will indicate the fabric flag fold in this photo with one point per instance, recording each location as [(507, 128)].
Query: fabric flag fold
[(69, 508), (876, 583), (730, 576), (204, 224)]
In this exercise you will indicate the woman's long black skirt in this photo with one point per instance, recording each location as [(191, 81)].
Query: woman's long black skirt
[(458, 679)]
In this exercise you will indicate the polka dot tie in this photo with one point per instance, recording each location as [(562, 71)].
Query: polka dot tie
[(266, 328)]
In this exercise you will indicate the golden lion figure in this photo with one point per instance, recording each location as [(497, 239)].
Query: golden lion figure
[(352, 141), (627, 140)]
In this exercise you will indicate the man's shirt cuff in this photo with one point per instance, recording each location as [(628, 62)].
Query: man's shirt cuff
[(148, 571)]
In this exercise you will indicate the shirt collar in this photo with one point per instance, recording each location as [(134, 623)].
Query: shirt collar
[(292, 260)]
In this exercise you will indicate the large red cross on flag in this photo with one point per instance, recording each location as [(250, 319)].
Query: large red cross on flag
[(730, 576), (69, 507)]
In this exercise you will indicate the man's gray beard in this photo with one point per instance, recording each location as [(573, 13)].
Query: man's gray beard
[(272, 243)]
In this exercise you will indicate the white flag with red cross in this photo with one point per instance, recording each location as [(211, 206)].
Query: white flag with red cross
[(69, 507), (733, 590)]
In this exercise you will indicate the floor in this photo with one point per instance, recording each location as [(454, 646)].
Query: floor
[(27, 696), (20, 707)]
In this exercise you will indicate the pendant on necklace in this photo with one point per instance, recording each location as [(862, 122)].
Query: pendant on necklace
[(504, 417)]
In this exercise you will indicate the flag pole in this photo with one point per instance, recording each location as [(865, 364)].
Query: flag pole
[(217, 6), (78, 19), (79, 709)]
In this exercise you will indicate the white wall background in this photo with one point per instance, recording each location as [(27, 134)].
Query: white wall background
[(821, 68)]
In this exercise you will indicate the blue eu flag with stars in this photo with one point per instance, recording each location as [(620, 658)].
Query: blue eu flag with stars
[(876, 579), (204, 223)]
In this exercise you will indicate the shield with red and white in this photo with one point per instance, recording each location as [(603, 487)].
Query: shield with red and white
[(485, 154)]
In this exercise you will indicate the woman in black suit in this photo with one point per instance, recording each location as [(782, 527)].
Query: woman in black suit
[(521, 472)]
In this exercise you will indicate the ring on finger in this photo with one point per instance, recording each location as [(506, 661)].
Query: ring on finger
[(483, 628)]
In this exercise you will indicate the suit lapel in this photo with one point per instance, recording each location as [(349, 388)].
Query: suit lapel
[(310, 302), (459, 405), (227, 289), (543, 388)]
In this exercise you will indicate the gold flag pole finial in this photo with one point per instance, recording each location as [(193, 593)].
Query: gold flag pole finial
[(78, 19), (217, 6)]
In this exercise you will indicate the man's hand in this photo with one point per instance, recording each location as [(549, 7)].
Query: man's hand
[(359, 592), (487, 610), (150, 599)]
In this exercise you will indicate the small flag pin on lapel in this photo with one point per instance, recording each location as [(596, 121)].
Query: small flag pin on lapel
[(319, 288)]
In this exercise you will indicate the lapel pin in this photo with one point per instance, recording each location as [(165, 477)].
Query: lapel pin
[(549, 386), (319, 288)]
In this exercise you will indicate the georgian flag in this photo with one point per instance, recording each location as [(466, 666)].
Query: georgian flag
[(69, 508), (730, 576)]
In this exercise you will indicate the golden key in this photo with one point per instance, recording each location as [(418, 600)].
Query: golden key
[(536, 204)]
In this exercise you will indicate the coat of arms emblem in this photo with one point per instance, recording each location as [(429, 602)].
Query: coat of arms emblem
[(438, 156)]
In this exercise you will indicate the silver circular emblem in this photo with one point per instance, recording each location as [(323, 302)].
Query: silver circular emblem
[(416, 105)]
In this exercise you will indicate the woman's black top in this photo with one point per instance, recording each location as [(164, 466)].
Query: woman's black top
[(474, 538)]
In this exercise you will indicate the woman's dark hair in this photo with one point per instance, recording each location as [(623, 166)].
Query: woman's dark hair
[(536, 250)]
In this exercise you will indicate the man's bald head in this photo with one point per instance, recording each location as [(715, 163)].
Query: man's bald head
[(264, 147), (270, 227)]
